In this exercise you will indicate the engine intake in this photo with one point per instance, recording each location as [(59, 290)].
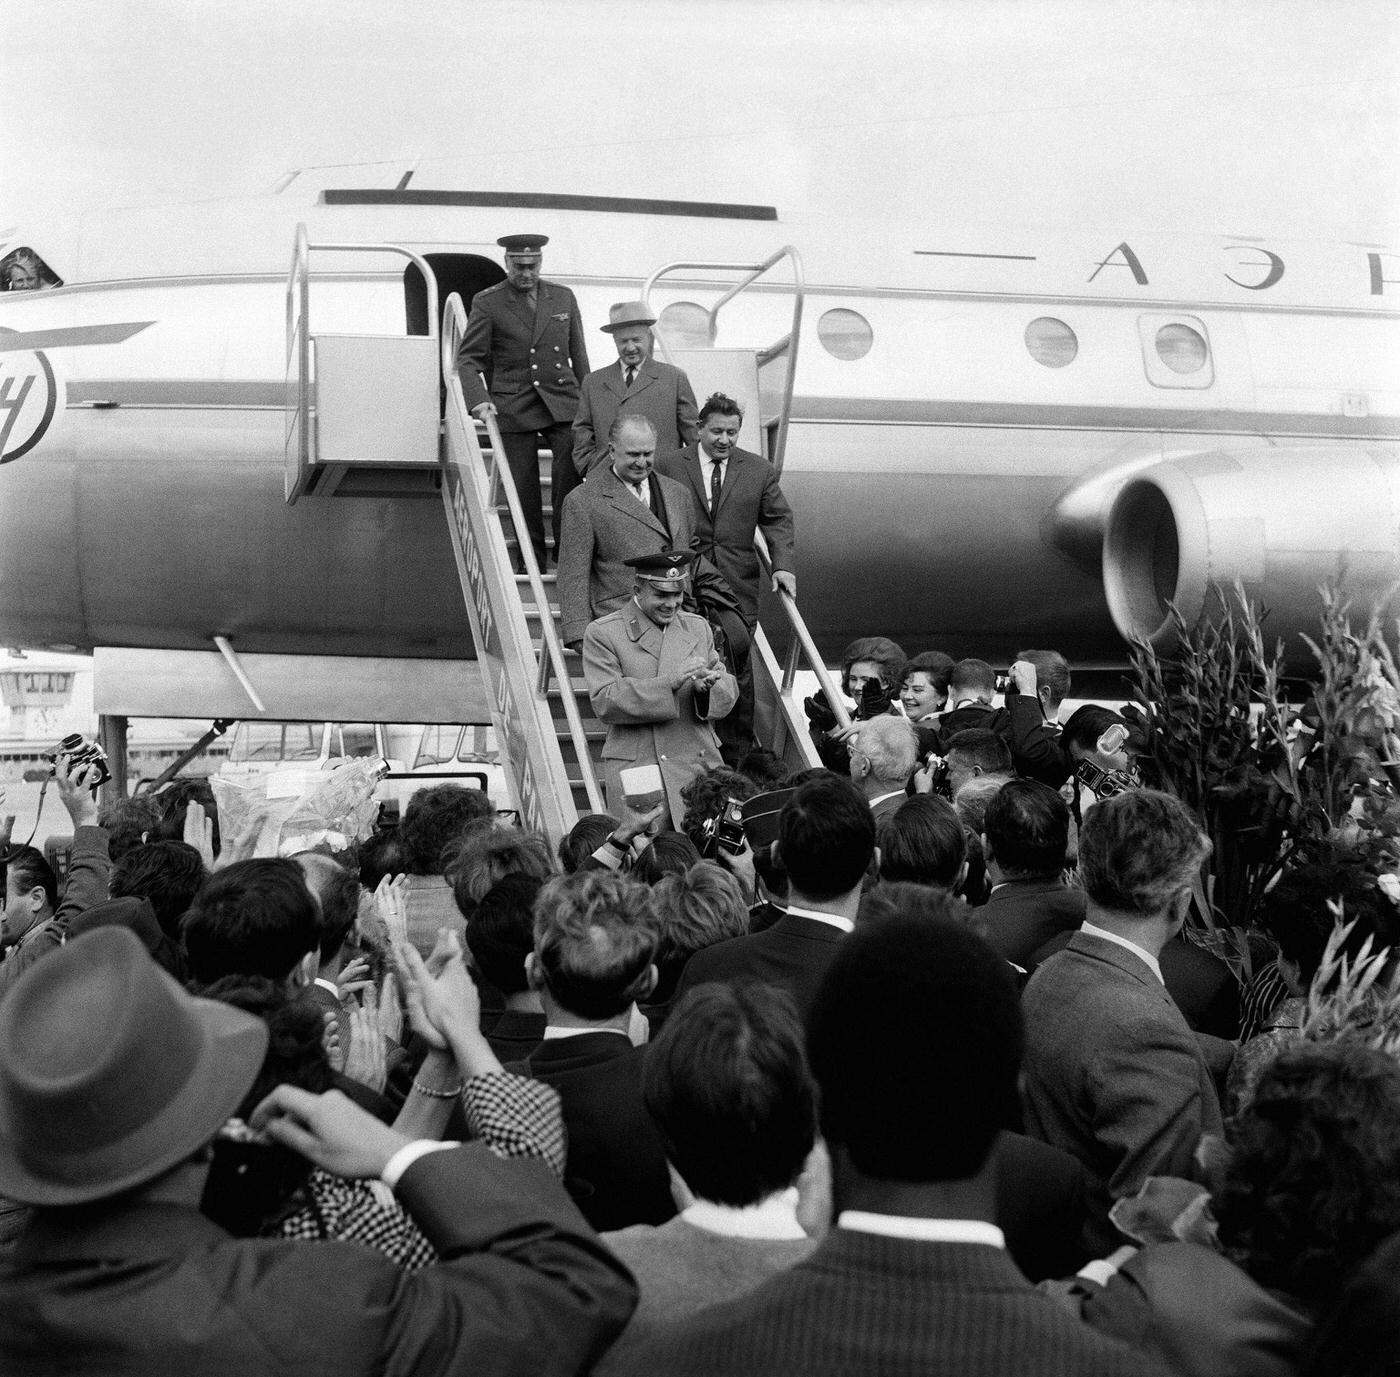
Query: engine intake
[(1282, 521)]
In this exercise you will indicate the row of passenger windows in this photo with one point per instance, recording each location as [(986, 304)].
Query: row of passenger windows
[(1175, 346)]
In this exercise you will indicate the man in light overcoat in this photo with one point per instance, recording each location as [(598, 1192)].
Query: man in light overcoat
[(654, 677)]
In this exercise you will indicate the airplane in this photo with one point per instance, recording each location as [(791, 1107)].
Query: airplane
[(997, 436)]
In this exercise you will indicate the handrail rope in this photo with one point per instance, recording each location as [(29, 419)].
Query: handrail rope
[(454, 324)]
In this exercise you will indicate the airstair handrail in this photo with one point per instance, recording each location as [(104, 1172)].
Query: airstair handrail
[(787, 344), (453, 326), (802, 646)]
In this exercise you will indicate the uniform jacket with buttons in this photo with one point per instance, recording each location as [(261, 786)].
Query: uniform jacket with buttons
[(659, 392), (628, 662), (532, 365), (604, 525)]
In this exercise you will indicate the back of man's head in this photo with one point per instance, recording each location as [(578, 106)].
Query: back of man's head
[(128, 823), (168, 873), (583, 839), (1051, 672), (337, 894), (826, 837), (1138, 851), (974, 798), (922, 842), (596, 936), (1027, 824), (434, 817), (485, 855), (501, 933), (252, 918), (911, 1002), (727, 1084), (972, 678), (173, 803), (889, 746)]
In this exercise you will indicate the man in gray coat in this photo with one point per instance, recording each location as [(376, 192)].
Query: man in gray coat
[(624, 510), (635, 385), (1113, 1074)]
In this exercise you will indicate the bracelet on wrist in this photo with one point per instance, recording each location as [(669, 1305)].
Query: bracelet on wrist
[(617, 845), (438, 1094)]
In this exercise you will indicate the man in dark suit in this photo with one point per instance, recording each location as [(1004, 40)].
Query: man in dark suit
[(636, 384), (596, 935), (826, 838), (522, 357), (1025, 837), (113, 1086), (915, 1276), (625, 509), (735, 493), (1113, 1073)]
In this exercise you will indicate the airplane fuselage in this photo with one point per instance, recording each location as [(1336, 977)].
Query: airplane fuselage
[(952, 474)]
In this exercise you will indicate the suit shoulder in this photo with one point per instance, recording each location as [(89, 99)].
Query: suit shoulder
[(487, 295)]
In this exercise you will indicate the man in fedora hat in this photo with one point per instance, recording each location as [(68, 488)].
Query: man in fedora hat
[(522, 358), (635, 384), (654, 677), (114, 1082)]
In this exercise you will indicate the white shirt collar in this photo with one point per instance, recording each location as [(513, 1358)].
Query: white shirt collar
[(880, 798), (926, 1230), (834, 919), (551, 1032), (1087, 926), (773, 1217)]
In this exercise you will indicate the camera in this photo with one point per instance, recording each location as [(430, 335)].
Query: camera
[(75, 751), (1004, 683), (1103, 783), (725, 831)]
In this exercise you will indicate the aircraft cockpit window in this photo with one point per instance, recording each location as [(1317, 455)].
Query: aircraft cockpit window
[(22, 270), (845, 334), (1051, 342), (686, 325), (1175, 351)]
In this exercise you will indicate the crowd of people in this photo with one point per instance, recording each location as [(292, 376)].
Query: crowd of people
[(904, 1063)]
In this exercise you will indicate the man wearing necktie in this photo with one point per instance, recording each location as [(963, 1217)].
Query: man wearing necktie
[(735, 492), (635, 385), (522, 357), (624, 510)]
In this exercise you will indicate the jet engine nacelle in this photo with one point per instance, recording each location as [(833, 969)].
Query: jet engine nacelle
[(1280, 521)]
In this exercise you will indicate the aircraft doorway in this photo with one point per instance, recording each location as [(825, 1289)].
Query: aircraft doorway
[(463, 273)]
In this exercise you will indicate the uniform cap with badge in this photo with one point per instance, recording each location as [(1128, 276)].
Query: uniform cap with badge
[(523, 247), (666, 570)]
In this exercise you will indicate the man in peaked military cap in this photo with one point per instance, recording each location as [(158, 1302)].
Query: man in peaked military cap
[(522, 357), (654, 677)]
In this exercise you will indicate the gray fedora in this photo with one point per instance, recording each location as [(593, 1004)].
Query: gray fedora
[(627, 313), (110, 1073)]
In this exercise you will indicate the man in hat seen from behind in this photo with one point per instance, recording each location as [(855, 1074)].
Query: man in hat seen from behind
[(635, 384), (113, 1084), (522, 357), (654, 677)]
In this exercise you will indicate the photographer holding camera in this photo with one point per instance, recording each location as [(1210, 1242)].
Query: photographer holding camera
[(1038, 683), (34, 920), (872, 670)]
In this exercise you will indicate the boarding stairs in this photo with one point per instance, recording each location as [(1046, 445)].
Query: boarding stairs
[(346, 438)]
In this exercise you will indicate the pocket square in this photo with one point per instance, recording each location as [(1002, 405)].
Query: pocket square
[(561, 315)]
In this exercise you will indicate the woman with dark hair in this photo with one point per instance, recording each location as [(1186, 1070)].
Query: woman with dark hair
[(1311, 1189), (872, 669)]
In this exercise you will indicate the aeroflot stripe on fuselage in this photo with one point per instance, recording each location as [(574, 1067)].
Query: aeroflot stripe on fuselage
[(207, 393)]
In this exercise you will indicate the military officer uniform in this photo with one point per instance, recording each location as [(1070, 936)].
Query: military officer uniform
[(628, 663), (528, 360)]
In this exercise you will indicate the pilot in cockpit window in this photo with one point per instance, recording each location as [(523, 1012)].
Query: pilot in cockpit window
[(22, 270)]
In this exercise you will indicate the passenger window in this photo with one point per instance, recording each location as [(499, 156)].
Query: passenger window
[(1176, 351), (845, 334)]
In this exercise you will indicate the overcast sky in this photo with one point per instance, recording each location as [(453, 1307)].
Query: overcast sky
[(1243, 116)]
